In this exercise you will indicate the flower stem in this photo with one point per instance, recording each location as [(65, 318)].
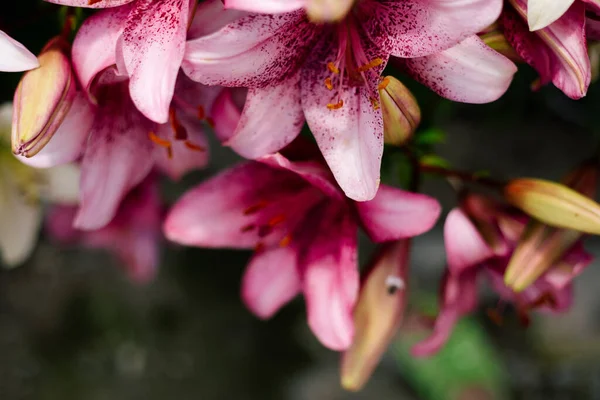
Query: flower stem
[(462, 175)]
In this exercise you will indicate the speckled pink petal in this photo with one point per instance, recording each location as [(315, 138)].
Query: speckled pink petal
[(118, 156), (417, 28), (95, 43), (253, 51), (396, 214), (330, 276), (558, 52), (465, 247), (266, 6), (88, 3), (153, 47), (470, 72), (272, 117), (271, 280)]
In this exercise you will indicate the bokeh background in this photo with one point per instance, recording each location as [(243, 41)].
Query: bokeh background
[(73, 327)]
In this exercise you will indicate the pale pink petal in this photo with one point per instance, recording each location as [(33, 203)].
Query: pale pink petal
[(330, 276), (396, 214), (95, 43), (254, 51), (91, 4), (419, 28), (118, 156), (465, 247), (210, 16), (351, 136), (444, 324), (541, 13), (139, 254), (558, 52), (228, 210), (15, 57), (69, 140), (226, 115), (270, 281), (153, 46), (271, 119), (266, 6), (569, 267), (470, 72), (59, 224)]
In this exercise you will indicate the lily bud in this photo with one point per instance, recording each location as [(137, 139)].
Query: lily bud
[(378, 314), (401, 112), (43, 99), (554, 204), (328, 10)]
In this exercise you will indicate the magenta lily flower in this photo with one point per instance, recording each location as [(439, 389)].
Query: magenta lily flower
[(146, 38), (329, 75), (133, 236), (303, 230), (15, 57), (317, 10), (471, 255), (558, 52)]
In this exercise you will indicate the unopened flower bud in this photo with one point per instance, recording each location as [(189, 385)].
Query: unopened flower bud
[(43, 99), (328, 10), (401, 112), (378, 314), (554, 204)]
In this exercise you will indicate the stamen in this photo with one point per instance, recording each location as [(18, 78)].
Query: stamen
[(193, 146), (370, 65), (276, 220), (256, 207), (201, 113), (92, 2), (384, 83), (264, 230), (328, 84), (374, 103), (178, 129), (285, 241), (336, 106), (159, 141), (333, 68), (247, 228)]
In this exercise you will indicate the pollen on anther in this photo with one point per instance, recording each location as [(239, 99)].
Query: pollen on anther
[(193, 146), (370, 65), (201, 113), (285, 241), (158, 140), (247, 228), (328, 84), (384, 83), (336, 106), (333, 68), (374, 103), (278, 219), (255, 208)]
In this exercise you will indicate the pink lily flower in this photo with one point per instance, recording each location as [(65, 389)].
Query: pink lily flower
[(133, 236), (480, 239), (317, 10), (145, 38), (558, 51), (303, 230), (329, 75), (15, 57)]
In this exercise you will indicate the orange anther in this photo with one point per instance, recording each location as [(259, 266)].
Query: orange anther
[(158, 140), (336, 106), (276, 220), (372, 64), (194, 147), (247, 228), (178, 129), (201, 113), (328, 83), (285, 241), (256, 207), (333, 68), (383, 84)]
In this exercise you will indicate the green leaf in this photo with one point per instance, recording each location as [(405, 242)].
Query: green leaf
[(434, 160), (429, 137)]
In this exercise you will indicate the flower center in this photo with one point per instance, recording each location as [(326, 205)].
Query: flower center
[(351, 66)]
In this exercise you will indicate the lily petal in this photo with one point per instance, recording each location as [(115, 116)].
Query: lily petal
[(465, 247), (15, 57), (396, 214), (470, 72), (541, 13), (330, 276), (270, 281), (558, 52), (91, 4), (153, 46), (418, 28), (266, 6), (253, 51), (118, 156), (271, 119)]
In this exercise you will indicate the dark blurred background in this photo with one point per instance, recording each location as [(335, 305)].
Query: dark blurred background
[(73, 327)]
